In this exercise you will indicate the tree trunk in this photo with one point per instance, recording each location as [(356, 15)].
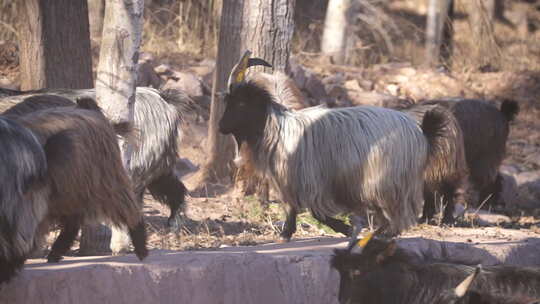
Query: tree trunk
[(266, 28), (55, 44), (482, 14), (96, 13), (115, 86), (335, 27), (439, 32), (198, 25), (119, 54)]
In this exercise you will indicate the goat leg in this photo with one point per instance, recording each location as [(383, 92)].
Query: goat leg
[(138, 238), (70, 229), (290, 224), (335, 224)]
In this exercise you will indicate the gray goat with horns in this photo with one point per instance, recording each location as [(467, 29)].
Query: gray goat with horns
[(333, 160)]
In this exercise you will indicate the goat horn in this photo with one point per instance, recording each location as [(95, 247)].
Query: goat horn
[(359, 246), (238, 72), (462, 288)]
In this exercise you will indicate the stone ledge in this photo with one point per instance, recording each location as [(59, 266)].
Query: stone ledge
[(297, 272)]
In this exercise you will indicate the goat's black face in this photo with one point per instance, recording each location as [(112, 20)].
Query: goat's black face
[(353, 268), (245, 111)]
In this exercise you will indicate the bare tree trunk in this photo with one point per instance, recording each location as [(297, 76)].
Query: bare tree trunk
[(96, 13), (55, 44), (335, 27), (265, 27), (198, 25), (439, 32), (270, 29), (482, 14), (115, 86)]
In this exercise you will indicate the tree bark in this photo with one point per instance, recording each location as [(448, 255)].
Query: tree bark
[(266, 28), (96, 13), (482, 14), (115, 87), (335, 26), (439, 33), (119, 53), (55, 44), (198, 25)]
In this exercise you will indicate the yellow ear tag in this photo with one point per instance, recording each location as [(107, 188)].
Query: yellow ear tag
[(363, 242)]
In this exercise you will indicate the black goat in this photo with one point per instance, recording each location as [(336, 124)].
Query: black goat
[(377, 271)]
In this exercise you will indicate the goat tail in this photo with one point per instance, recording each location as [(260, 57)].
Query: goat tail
[(509, 108), (183, 103), (436, 126)]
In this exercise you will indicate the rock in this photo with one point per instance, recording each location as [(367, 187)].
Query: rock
[(163, 69), (485, 218), (184, 166), (187, 82), (297, 272), (352, 85), (314, 87), (392, 89), (509, 194)]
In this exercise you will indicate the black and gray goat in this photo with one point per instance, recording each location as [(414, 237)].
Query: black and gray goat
[(378, 271), (485, 131), (61, 165), (333, 160), (158, 116)]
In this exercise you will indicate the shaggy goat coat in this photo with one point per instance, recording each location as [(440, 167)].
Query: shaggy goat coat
[(84, 181), (485, 131), (158, 115), (342, 160), (381, 274), (23, 195), (447, 168)]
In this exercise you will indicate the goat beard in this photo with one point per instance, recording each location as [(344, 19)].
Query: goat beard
[(238, 160)]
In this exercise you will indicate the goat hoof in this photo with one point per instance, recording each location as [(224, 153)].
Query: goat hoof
[(54, 258), (283, 240), (141, 254)]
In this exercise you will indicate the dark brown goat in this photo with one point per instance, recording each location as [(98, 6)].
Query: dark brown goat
[(446, 171), (485, 131), (158, 116), (380, 272), (84, 182)]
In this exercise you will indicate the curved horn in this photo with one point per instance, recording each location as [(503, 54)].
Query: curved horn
[(238, 72), (462, 288), (359, 246)]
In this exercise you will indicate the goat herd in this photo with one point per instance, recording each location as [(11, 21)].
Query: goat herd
[(62, 162)]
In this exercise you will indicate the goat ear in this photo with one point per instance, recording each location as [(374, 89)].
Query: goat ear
[(389, 251), (462, 288)]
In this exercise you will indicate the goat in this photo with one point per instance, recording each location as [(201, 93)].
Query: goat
[(377, 271), (23, 195), (158, 116), (333, 160), (447, 170), (485, 131), (84, 181), (463, 295)]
